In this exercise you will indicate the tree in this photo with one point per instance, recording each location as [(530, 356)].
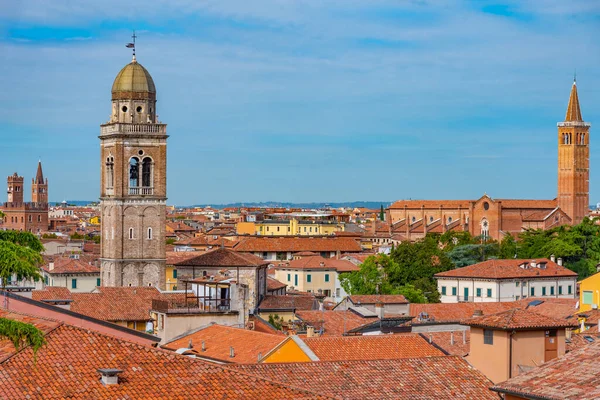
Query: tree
[(412, 294), (371, 278), (381, 214), (508, 247)]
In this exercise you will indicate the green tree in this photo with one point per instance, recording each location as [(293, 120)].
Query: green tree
[(508, 247), (381, 214), (371, 278), (412, 294)]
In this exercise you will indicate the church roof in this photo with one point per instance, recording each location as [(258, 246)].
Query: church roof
[(133, 78), (573, 109), (39, 176)]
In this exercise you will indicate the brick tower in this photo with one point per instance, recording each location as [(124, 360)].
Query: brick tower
[(133, 164), (39, 187), (15, 189), (574, 161)]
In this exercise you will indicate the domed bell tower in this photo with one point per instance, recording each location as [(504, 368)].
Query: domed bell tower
[(133, 192)]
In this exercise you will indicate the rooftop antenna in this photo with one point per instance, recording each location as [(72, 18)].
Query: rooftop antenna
[(131, 45)]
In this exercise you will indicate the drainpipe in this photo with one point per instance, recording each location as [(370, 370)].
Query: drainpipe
[(510, 341)]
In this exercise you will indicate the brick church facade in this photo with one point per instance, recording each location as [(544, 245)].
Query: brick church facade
[(494, 218), (26, 216)]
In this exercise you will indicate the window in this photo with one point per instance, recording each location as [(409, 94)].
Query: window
[(337, 292), (532, 291), (488, 336), (308, 278), (296, 279), (560, 290), (543, 290), (517, 283), (326, 277), (289, 277), (414, 219), (449, 219), (570, 289), (97, 281), (110, 165), (588, 297), (46, 279), (39, 218), (478, 291), (73, 283), (174, 274), (30, 219), (130, 233), (489, 293), (134, 172), (149, 233), (443, 290), (454, 291), (264, 255), (551, 290), (277, 229)]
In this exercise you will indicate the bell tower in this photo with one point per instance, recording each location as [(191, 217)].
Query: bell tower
[(574, 161), (133, 191), (39, 187)]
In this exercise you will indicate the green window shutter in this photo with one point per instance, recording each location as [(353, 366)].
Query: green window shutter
[(308, 278), (478, 292), (551, 290), (97, 281), (560, 290), (454, 291), (489, 293), (570, 289), (289, 277), (532, 291), (588, 297), (544, 291), (73, 283), (174, 273), (326, 277), (443, 290)]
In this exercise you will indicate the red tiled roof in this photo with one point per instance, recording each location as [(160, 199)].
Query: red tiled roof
[(178, 256), (508, 269), (335, 323), (526, 203), (66, 367), (373, 299), (517, 319), (274, 284), (318, 262), (296, 244), (336, 348), (180, 227), (576, 376), (65, 265), (51, 293), (223, 258), (411, 378), (218, 339), (286, 302), (431, 204), (7, 348)]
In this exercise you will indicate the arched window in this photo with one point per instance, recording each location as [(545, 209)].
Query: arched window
[(485, 228), (134, 172), (414, 219), (449, 219), (30, 219), (39, 218), (130, 233), (110, 172), (582, 138), (147, 172), (430, 219), (149, 233)]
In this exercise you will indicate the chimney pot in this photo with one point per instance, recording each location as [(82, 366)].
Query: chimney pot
[(451, 338), (310, 331), (478, 313), (559, 261), (109, 376), (203, 346), (553, 258), (464, 337), (231, 352)]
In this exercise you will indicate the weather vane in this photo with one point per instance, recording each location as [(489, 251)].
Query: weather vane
[(132, 44)]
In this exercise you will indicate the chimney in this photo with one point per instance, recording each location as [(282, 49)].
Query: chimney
[(190, 344), (451, 338), (430, 338), (203, 346), (51, 266), (559, 261), (310, 331), (464, 337), (553, 258), (379, 309), (477, 313), (231, 352), (533, 264), (109, 376), (259, 357)]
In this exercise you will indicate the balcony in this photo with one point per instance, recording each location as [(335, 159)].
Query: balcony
[(141, 191), (118, 128)]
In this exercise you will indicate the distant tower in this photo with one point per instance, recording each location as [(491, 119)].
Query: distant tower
[(133, 164), (574, 161), (15, 189), (39, 187)]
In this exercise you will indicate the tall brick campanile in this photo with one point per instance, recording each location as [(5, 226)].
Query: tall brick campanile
[(574, 161), (133, 164)]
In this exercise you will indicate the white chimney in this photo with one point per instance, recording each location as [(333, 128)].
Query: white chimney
[(310, 331), (379, 310), (231, 352), (533, 264), (559, 261), (109, 376), (51, 266), (553, 258)]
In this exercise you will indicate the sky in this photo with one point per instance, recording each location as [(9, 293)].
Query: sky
[(306, 100)]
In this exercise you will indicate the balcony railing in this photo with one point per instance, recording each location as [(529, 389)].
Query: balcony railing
[(143, 191), (111, 129)]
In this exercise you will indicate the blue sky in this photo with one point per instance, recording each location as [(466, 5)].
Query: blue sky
[(306, 100)]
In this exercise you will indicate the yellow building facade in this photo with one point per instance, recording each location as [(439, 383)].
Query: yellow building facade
[(589, 293), (308, 280), (171, 277), (291, 227)]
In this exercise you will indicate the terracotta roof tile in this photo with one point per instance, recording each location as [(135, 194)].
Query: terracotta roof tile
[(456, 343), (373, 299), (67, 365), (526, 203), (335, 348), (274, 284), (517, 319), (288, 302), (508, 269), (223, 258), (335, 323), (218, 339), (296, 244), (576, 376), (431, 204), (411, 378), (177, 256), (65, 265)]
